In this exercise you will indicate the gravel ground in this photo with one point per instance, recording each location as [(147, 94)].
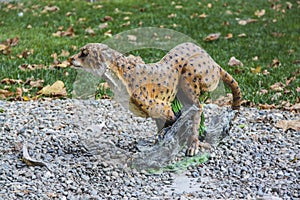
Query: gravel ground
[(86, 145)]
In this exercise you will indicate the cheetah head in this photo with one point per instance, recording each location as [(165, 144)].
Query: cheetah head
[(92, 57)]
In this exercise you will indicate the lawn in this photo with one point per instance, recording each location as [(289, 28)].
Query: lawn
[(262, 34)]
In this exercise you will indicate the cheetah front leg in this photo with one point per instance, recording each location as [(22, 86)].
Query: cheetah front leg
[(193, 142)]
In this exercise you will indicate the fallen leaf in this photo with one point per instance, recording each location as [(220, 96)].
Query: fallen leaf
[(37, 84), (263, 91), (68, 14), (107, 18), (203, 15), (108, 33), (242, 35), (26, 53), (178, 6), (235, 62), (289, 5), (64, 53), (266, 106), (228, 36), (10, 81), (277, 86), (50, 9), (126, 24), (212, 37), (256, 70), (247, 21), (69, 32), (57, 89), (19, 93), (31, 67), (276, 34), (265, 72), (63, 64), (12, 41), (4, 49), (97, 6), (5, 94), (103, 25), (275, 63), (288, 81), (288, 124), (172, 15), (260, 13), (90, 31), (5, 45)]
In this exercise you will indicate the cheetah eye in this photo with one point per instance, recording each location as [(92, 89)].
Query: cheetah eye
[(83, 53)]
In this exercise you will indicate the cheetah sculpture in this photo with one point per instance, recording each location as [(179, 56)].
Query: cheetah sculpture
[(184, 72)]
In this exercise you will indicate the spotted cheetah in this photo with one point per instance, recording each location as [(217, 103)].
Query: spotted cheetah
[(184, 72)]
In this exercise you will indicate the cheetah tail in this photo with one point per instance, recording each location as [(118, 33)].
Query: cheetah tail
[(235, 89)]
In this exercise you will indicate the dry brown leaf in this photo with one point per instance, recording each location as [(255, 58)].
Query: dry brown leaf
[(247, 21), (63, 64), (108, 33), (288, 81), (103, 25), (5, 45), (64, 53), (277, 86), (289, 5), (107, 18), (10, 81), (90, 31), (98, 6), (275, 63), (31, 67), (126, 24), (4, 49), (5, 94), (203, 15), (19, 93), (26, 53), (266, 106), (37, 84), (69, 32), (235, 62), (212, 37), (288, 124), (242, 35), (265, 72), (260, 13), (276, 34), (50, 9), (256, 70), (57, 89), (172, 15), (12, 41), (263, 91), (229, 35)]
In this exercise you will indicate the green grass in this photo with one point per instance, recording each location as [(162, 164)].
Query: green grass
[(259, 41)]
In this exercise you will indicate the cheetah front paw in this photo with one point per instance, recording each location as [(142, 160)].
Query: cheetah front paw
[(193, 148)]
